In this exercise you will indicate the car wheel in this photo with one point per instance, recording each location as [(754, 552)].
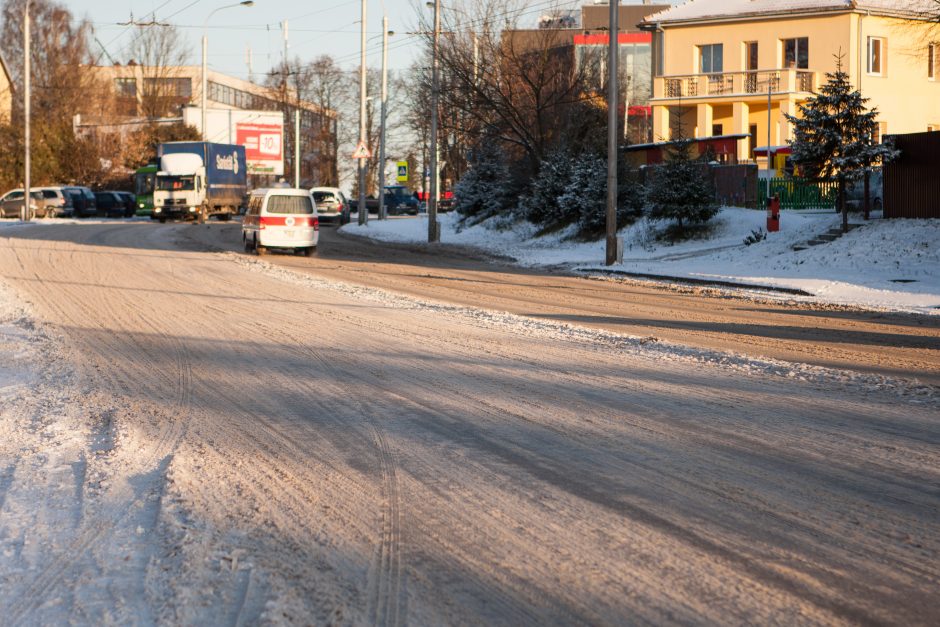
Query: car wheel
[(310, 251), (247, 243), (259, 249)]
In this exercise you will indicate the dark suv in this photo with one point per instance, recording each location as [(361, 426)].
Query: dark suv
[(84, 203)]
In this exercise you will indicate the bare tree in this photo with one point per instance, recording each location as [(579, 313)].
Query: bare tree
[(160, 52), (327, 88), (62, 85)]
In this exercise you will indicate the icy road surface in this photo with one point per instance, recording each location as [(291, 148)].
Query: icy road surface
[(191, 437)]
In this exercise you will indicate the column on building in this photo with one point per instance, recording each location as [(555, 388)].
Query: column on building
[(660, 123), (741, 122), (703, 120)]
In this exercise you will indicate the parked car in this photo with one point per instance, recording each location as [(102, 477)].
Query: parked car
[(130, 203), (11, 203), (331, 204), (57, 203), (110, 205), (84, 203), (281, 218), (400, 200)]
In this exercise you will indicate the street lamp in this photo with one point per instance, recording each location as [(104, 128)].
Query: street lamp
[(381, 191), (205, 50), (434, 228), (26, 111)]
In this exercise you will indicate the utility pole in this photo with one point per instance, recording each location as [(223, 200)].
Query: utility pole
[(612, 120), (205, 63), (297, 147), (251, 76), (381, 168), (363, 210), (26, 111), (434, 229)]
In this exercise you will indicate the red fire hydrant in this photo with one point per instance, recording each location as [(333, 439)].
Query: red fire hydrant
[(773, 214)]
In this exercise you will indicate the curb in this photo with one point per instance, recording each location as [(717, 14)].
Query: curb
[(691, 281)]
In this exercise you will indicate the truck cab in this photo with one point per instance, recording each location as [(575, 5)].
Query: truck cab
[(180, 187)]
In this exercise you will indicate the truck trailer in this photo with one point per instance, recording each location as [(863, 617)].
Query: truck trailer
[(199, 179)]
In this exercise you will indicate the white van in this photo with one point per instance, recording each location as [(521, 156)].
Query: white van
[(281, 218)]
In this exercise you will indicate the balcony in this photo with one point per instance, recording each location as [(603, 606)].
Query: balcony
[(753, 83)]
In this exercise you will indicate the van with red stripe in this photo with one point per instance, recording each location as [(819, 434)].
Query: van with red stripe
[(282, 219)]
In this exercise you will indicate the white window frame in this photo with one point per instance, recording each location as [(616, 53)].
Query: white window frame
[(711, 50), (881, 56)]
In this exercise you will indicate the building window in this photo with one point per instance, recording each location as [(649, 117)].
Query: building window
[(752, 132), (876, 49), (718, 130), (932, 50), (126, 87), (750, 55), (796, 53), (710, 59)]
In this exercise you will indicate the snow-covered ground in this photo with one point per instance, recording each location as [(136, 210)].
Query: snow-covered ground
[(890, 264)]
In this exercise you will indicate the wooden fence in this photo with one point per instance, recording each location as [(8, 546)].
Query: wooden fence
[(912, 181)]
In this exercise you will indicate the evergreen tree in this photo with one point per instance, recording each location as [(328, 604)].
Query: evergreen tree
[(484, 191), (680, 189), (834, 134), (540, 203)]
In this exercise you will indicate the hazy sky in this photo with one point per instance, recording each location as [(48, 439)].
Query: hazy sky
[(316, 27)]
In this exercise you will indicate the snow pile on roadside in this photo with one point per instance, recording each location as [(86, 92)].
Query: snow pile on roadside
[(885, 264), (650, 348)]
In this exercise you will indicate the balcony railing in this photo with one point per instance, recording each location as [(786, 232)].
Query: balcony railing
[(735, 83)]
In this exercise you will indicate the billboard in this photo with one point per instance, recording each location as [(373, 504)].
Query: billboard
[(260, 132)]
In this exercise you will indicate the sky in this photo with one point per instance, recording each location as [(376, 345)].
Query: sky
[(314, 28)]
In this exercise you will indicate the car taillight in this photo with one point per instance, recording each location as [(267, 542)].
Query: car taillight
[(316, 224)]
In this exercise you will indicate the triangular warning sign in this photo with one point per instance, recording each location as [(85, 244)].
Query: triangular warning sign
[(361, 152)]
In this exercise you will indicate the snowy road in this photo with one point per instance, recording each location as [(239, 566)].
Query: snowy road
[(195, 437)]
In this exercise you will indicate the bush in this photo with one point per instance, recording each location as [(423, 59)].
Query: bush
[(485, 190), (680, 190)]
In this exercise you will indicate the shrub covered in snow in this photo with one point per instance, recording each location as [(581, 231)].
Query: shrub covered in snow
[(485, 190), (680, 190), (540, 204)]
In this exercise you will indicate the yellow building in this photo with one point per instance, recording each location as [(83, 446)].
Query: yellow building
[(6, 92), (717, 63)]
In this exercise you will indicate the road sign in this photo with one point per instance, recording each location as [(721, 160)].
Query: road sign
[(402, 171), (361, 152)]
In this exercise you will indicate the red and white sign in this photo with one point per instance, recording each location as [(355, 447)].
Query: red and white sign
[(264, 147), (362, 152)]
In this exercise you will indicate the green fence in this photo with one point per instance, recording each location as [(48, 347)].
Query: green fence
[(797, 193)]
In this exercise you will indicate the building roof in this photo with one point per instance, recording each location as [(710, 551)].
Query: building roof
[(717, 10)]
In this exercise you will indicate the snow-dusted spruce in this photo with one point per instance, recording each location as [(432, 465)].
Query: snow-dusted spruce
[(680, 189), (485, 190), (833, 135), (540, 204)]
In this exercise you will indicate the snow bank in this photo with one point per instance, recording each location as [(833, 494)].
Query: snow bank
[(884, 264)]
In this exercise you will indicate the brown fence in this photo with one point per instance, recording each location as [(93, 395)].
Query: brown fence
[(912, 181), (735, 185)]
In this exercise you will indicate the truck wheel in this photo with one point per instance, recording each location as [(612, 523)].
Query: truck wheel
[(201, 216)]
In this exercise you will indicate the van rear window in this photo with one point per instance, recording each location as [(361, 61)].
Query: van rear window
[(289, 204)]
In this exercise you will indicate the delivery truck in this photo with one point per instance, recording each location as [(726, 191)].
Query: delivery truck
[(199, 179)]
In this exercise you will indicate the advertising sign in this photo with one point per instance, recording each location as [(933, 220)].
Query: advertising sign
[(264, 148)]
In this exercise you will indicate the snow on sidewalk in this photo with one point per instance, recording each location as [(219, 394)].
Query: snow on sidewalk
[(884, 264)]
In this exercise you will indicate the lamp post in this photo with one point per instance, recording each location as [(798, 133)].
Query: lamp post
[(612, 120), (205, 50), (363, 210), (26, 112), (381, 191), (434, 230)]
